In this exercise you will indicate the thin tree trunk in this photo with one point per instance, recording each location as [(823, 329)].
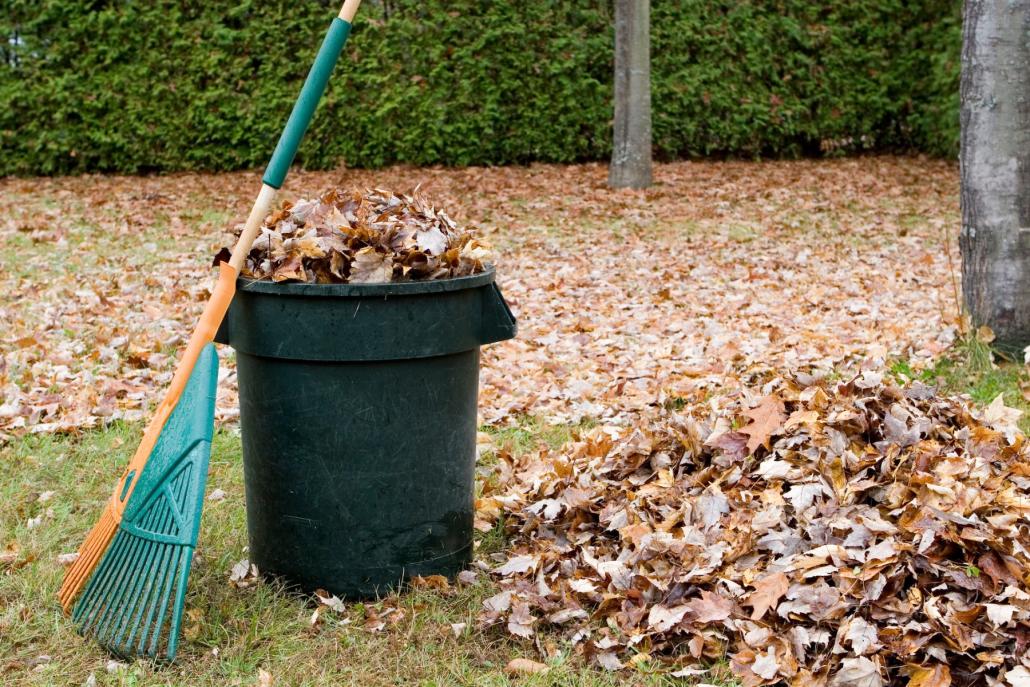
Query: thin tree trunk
[(631, 150), (995, 161)]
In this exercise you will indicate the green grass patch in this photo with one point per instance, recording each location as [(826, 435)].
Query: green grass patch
[(974, 368), (532, 433)]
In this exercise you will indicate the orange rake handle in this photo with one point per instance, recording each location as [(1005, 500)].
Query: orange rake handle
[(203, 334)]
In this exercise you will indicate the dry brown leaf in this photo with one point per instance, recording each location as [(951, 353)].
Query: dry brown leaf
[(525, 666), (766, 419), (936, 675), (768, 592), (711, 607)]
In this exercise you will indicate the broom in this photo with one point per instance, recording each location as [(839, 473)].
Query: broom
[(135, 561)]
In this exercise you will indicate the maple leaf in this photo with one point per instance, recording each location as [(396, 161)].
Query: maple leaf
[(711, 607), (521, 620), (498, 603), (609, 661), (1002, 418), (765, 665), (662, 618), (1018, 676), (517, 564), (292, 269), (431, 241), (766, 419), (862, 636), (330, 600), (733, 443), (244, 574), (768, 592)]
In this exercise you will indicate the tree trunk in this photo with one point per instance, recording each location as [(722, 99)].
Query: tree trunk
[(631, 149), (995, 162)]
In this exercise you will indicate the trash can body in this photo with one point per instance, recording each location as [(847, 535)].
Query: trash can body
[(358, 417)]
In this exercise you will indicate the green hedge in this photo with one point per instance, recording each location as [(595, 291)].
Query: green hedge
[(133, 86)]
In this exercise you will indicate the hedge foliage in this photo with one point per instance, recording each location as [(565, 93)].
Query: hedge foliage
[(132, 86)]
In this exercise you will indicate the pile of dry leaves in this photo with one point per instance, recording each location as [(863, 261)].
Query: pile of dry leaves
[(355, 238), (814, 533)]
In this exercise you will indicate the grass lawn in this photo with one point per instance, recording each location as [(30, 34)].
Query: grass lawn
[(230, 635)]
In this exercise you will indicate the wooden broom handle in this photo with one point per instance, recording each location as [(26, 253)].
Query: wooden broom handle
[(348, 10), (296, 126)]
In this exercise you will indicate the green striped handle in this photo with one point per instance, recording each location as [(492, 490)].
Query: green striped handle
[(303, 110)]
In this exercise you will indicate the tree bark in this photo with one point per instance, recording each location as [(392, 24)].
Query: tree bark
[(631, 149), (995, 164)]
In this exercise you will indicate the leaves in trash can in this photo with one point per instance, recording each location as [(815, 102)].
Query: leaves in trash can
[(378, 236)]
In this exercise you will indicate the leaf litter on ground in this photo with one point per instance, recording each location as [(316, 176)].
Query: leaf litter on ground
[(631, 304), (624, 298), (862, 534)]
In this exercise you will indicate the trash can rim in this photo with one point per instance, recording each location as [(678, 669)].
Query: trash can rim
[(399, 288)]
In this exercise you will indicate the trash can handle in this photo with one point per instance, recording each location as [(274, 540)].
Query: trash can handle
[(498, 322)]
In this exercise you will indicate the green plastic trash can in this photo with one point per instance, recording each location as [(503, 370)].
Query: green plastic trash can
[(358, 417)]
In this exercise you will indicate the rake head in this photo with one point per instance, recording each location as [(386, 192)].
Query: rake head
[(133, 603)]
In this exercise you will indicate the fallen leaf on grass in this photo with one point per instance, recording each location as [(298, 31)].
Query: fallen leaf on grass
[(517, 564), (521, 620), (525, 666), (244, 574), (608, 660), (439, 582), (330, 601)]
